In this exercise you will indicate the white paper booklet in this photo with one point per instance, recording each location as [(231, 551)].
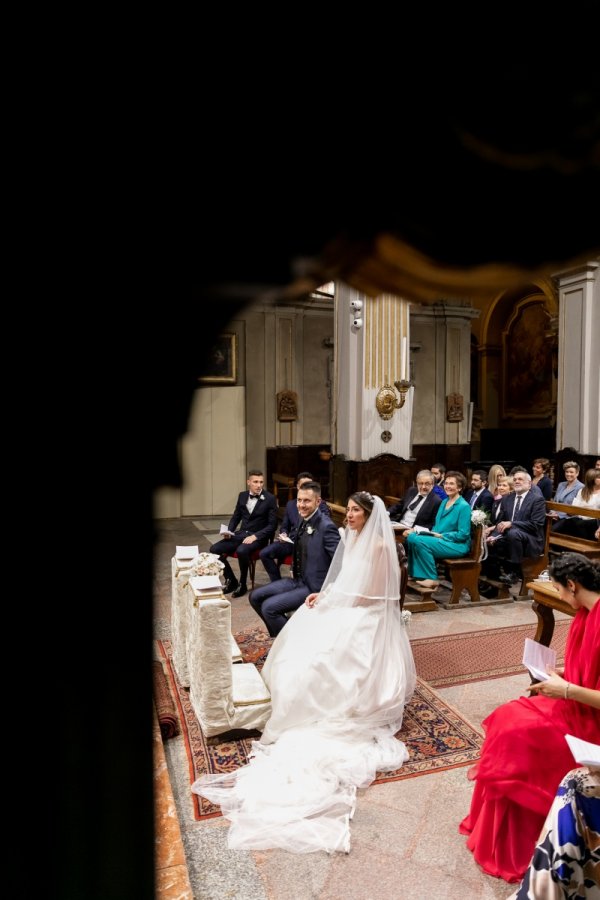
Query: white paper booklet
[(205, 582), (224, 529), (186, 552), (586, 754), (420, 529), (538, 659), (286, 539)]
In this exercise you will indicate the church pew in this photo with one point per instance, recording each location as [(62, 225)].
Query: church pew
[(566, 542)]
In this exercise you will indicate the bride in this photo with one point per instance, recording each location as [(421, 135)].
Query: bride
[(340, 674)]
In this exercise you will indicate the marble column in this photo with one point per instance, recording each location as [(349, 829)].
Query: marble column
[(578, 402), (372, 340)]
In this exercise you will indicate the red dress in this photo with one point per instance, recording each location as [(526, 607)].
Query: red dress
[(525, 756)]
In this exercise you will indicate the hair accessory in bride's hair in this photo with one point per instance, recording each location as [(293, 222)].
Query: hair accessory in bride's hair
[(367, 496)]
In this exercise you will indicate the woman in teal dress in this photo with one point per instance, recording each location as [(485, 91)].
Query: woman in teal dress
[(450, 537)]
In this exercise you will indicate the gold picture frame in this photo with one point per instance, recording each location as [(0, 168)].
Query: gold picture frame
[(220, 366)]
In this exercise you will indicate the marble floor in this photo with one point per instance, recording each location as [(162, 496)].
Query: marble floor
[(405, 841)]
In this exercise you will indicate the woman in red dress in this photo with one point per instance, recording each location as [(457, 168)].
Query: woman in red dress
[(525, 755)]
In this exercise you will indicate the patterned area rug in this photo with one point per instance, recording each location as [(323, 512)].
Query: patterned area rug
[(479, 655), (436, 735)]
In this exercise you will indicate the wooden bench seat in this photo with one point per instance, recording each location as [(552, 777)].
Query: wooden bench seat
[(464, 572), (559, 543)]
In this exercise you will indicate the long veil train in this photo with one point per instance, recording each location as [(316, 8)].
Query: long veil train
[(340, 674)]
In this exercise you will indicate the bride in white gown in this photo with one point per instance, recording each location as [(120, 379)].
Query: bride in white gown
[(340, 674)]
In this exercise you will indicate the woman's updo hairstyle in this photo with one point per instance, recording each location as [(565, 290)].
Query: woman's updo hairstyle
[(365, 500)]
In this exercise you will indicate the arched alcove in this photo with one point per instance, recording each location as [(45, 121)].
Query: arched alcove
[(517, 372)]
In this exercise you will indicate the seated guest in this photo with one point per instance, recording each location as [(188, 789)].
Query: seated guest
[(450, 537), (256, 514), (316, 542), (419, 505), (519, 533), (566, 859), (496, 474), (505, 486), (525, 755), (540, 469), (438, 471), (274, 554), (478, 496), (567, 490), (533, 488), (588, 497)]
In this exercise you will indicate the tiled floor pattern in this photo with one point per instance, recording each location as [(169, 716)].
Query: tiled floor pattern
[(405, 842)]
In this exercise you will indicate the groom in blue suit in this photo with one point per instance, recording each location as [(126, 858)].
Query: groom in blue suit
[(316, 542)]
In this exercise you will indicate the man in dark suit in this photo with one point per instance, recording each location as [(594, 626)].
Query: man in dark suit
[(519, 531), (419, 505), (275, 553), (256, 510), (316, 542), (478, 497)]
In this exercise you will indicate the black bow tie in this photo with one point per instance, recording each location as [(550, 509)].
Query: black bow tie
[(254, 497)]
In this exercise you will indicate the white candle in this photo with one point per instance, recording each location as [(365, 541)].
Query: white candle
[(403, 360)]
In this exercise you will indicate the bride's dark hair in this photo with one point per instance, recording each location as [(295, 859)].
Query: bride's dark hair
[(364, 500), (576, 567)]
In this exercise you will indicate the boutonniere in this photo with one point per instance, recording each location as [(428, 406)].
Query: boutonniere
[(262, 497), (309, 529)]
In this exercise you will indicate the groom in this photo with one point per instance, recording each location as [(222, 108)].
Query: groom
[(315, 543)]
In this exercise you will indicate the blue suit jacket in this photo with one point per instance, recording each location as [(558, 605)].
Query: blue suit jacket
[(262, 521), (484, 501), (320, 545)]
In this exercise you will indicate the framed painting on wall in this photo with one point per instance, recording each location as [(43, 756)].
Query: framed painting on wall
[(221, 362)]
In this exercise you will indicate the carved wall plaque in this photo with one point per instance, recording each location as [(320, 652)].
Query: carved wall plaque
[(287, 406), (454, 408)]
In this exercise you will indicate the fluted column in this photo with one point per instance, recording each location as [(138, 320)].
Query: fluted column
[(372, 351)]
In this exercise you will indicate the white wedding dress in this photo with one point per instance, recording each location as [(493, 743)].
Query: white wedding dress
[(340, 674)]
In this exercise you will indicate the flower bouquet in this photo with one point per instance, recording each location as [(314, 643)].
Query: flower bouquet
[(479, 517), (206, 577), (207, 564)]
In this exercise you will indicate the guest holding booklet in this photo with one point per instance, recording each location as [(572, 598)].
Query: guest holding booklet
[(449, 538), (525, 754)]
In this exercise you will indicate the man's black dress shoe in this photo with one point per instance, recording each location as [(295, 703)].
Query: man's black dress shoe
[(230, 585), (510, 578), (240, 591)]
